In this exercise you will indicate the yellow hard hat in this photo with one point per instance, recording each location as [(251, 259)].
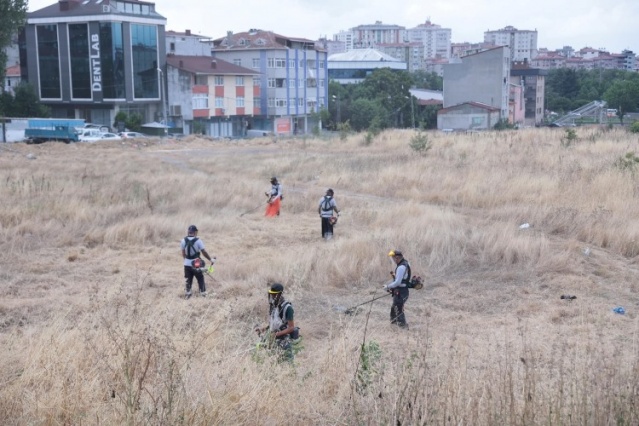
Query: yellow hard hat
[(394, 253)]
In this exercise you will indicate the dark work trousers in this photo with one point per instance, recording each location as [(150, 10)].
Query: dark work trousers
[(400, 296), (327, 228), (189, 273)]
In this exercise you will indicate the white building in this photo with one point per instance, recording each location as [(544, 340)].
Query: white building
[(522, 43), (354, 66), (434, 38)]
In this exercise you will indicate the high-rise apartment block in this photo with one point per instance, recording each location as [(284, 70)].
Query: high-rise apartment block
[(522, 43), (434, 38)]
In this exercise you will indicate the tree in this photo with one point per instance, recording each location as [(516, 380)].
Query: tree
[(624, 96), (427, 80), (12, 16), (367, 112), (26, 104)]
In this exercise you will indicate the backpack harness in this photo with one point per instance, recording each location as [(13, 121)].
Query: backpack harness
[(326, 204), (405, 281), (189, 248)]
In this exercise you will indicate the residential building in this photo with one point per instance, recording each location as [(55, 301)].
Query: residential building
[(411, 53), (11, 78), (533, 81), (90, 59), (434, 38), (345, 37), (482, 78), (187, 44), (522, 43), (371, 35), (457, 50), (354, 66), (586, 58), (212, 96), (331, 46), (293, 83)]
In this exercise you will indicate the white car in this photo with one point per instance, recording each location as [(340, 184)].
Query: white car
[(89, 135), (111, 136), (131, 135)]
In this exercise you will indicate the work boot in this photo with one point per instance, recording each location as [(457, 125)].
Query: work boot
[(187, 295), (203, 294)]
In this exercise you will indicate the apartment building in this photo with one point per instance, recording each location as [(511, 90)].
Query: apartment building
[(90, 59), (586, 58), (211, 96), (533, 82), (410, 53), (293, 82), (371, 35), (434, 38), (11, 78), (522, 43), (187, 44)]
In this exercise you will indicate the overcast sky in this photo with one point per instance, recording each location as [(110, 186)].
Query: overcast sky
[(609, 24)]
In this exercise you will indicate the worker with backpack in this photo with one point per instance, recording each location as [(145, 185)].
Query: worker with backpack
[(281, 327), (399, 288), (325, 209), (192, 247)]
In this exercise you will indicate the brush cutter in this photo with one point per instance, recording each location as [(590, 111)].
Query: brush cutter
[(353, 309), (252, 210)]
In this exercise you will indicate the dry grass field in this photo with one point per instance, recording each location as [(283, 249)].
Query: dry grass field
[(94, 329)]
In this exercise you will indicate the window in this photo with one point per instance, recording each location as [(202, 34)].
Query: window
[(321, 83), (112, 59), (280, 63), (280, 82), (256, 81), (144, 44), (239, 80), (200, 101), (237, 62), (311, 82), (291, 82), (271, 83), (48, 56), (219, 102), (291, 63), (280, 102), (300, 102), (270, 63), (219, 80), (256, 102), (300, 83), (256, 62), (239, 102), (80, 67), (321, 64), (301, 63), (271, 102), (172, 46)]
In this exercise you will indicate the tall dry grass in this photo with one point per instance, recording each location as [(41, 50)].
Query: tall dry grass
[(94, 331)]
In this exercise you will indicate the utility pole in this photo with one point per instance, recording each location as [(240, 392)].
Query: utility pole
[(162, 99), (412, 110)]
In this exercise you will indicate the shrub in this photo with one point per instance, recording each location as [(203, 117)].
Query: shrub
[(420, 143), (628, 162), (634, 127), (570, 136)]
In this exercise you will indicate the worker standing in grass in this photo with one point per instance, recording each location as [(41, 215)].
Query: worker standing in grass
[(325, 209), (274, 198), (399, 288), (281, 326), (192, 247)]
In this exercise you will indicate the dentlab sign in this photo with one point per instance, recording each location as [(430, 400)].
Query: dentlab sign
[(96, 66)]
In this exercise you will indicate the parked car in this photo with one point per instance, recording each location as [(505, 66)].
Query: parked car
[(100, 127), (111, 136), (89, 135), (131, 135)]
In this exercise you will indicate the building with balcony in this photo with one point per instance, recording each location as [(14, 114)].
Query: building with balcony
[(212, 96), (293, 77), (434, 38), (533, 82), (410, 53), (90, 59), (522, 43), (370, 35)]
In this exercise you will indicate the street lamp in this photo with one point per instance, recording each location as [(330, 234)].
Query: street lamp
[(162, 99)]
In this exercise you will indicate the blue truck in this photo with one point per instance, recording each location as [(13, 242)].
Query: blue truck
[(53, 129)]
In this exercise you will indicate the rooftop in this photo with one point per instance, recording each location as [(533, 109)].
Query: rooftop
[(206, 65), (362, 55)]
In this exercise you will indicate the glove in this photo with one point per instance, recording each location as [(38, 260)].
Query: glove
[(213, 259), (385, 287), (210, 269)]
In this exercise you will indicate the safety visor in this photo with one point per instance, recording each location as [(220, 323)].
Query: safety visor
[(274, 292)]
